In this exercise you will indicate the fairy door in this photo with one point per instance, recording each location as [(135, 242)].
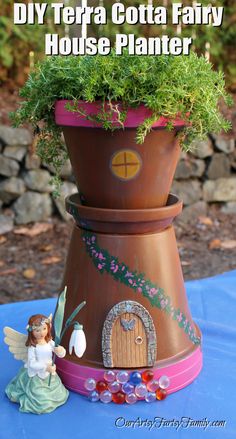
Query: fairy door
[(129, 341), (129, 338)]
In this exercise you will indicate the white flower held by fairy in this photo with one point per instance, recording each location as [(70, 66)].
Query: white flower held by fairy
[(59, 318), (77, 341)]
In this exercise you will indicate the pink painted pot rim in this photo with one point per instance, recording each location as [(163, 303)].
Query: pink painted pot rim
[(135, 116), (181, 372)]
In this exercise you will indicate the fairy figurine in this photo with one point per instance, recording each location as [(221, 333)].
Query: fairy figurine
[(37, 387)]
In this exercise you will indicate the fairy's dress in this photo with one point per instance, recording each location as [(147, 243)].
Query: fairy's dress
[(30, 388)]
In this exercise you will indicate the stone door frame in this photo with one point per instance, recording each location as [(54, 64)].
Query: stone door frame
[(128, 306)]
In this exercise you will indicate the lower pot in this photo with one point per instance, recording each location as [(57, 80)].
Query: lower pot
[(136, 314)]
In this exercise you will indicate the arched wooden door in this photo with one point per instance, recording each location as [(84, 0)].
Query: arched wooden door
[(129, 337)]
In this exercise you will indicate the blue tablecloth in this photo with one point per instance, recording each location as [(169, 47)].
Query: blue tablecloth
[(212, 396)]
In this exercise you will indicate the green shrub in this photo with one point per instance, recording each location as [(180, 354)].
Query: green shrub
[(167, 85), (17, 41)]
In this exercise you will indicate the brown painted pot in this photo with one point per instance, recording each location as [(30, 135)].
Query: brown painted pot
[(142, 241), (111, 169)]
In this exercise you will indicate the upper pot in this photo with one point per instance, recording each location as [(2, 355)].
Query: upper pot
[(111, 169)]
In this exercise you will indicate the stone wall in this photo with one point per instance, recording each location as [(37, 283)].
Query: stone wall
[(25, 192), (207, 175)]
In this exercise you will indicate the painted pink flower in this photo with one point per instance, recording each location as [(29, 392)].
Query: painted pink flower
[(100, 266), (114, 269), (179, 318), (93, 238), (123, 268), (140, 290), (128, 274), (163, 303), (153, 291), (130, 281), (101, 257)]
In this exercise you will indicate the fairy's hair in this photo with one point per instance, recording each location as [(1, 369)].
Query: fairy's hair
[(34, 321)]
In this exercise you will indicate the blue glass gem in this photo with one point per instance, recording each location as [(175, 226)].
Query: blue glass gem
[(135, 378), (93, 396), (128, 388)]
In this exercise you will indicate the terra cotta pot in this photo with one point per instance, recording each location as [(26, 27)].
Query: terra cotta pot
[(122, 174)]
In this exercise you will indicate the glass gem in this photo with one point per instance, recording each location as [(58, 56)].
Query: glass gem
[(147, 375), (114, 387), (128, 388), (106, 396), (150, 397), (153, 385), (141, 390), (101, 386), (131, 398), (122, 377), (93, 396), (135, 378), (164, 382), (90, 384), (161, 394), (118, 398), (109, 376)]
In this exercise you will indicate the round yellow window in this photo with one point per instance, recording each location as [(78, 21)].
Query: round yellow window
[(125, 164)]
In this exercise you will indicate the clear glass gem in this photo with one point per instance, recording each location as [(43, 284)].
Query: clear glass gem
[(90, 384), (141, 390), (131, 398), (106, 396), (122, 377), (114, 387), (153, 385), (150, 397), (93, 396), (164, 382), (128, 388), (109, 376)]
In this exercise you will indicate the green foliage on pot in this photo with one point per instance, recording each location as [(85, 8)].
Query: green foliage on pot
[(185, 86)]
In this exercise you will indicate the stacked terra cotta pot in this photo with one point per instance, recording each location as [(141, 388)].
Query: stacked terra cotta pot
[(123, 258)]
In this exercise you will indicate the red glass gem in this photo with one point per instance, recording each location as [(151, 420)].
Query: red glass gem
[(147, 375), (118, 397), (101, 386), (161, 394)]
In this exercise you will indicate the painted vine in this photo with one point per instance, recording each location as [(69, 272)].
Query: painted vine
[(105, 262)]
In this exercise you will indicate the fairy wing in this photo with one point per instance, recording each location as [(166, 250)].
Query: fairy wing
[(16, 342)]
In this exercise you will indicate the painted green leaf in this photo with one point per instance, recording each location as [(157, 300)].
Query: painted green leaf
[(59, 315)]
